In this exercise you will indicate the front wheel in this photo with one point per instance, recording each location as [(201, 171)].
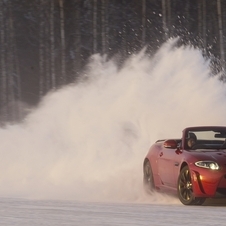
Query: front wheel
[(185, 190)]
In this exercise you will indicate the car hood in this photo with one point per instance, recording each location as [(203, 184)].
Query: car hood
[(215, 155)]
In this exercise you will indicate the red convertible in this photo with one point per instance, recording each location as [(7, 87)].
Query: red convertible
[(193, 167)]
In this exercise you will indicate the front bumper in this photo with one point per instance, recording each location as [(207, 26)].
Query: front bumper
[(208, 183)]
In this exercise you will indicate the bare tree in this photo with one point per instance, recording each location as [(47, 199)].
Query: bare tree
[(220, 31), (10, 77), (94, 26), (166, 17), (41, 49), (62, 35), (47, 65), (143, 22), (3, 83), (124, 30), (48, 40), (104, 23), (202, 21), (52, 48), (77, 62)]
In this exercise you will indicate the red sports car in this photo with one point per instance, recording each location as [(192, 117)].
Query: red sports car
[(193, 167)]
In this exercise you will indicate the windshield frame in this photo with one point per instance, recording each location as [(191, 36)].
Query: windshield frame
[(208, 137)]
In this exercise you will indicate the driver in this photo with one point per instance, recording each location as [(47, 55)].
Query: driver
[(191, 141)]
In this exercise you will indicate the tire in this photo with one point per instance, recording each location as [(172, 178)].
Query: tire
[(148, 180), (184, 189)]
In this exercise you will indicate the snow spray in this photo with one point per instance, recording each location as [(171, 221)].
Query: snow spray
[(87, 141)]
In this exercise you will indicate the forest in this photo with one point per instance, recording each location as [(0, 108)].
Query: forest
[(45, 44)]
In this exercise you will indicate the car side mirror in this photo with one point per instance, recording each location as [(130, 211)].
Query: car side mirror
[(172, 144)]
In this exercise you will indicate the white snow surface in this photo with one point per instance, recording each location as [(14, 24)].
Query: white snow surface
[(77, 158), (20, 212)]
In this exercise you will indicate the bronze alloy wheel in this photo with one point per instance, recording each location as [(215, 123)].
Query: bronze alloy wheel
[(184, 189)]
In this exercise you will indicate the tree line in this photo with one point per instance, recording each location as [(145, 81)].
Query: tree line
[(44, 44)]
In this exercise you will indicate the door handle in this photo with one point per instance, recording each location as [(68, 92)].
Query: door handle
[(161, 154)]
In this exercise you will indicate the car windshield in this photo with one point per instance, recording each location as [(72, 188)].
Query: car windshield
[(206, 139)]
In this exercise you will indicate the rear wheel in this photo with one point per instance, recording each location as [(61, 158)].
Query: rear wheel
[(148, 180), (185, 190)]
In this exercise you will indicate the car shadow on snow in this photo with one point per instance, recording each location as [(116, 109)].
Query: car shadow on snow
[(215, 202)]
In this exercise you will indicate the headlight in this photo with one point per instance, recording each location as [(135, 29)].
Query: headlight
[(208, 165)]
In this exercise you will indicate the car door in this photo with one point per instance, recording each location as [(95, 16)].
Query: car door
[(166, 167)]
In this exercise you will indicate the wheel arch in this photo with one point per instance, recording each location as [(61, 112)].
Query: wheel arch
[(183, 165), (145, 161)]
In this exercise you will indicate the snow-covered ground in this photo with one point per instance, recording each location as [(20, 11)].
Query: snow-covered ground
[(21, 212)]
